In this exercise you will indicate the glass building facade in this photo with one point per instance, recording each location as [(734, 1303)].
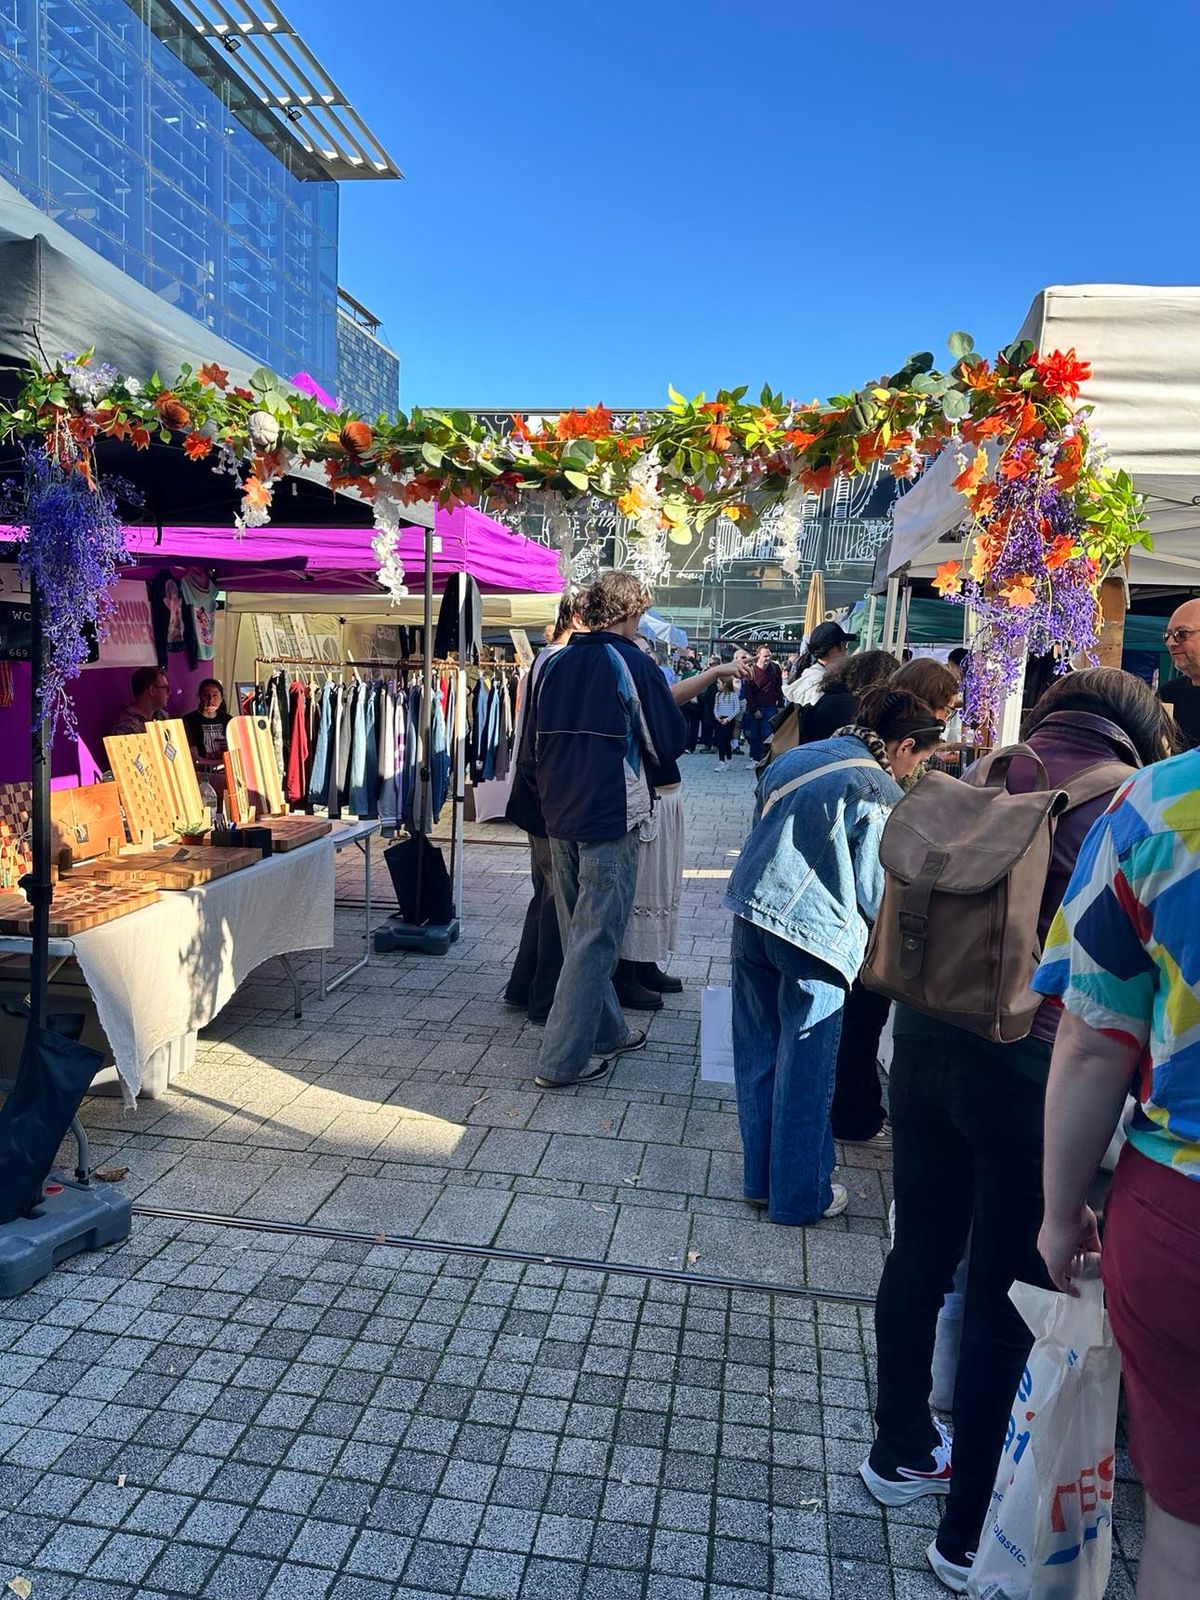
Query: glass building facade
[(128, 130), (368, 373)]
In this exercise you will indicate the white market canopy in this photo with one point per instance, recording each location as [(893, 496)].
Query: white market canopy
[(1143, 344)]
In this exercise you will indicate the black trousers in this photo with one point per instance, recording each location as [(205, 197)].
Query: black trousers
[(691, 715), (857, 1111), (967, 1159), (723, 735), (534, 976)]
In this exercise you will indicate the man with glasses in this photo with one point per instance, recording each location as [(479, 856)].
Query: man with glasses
[(151, 690), (1182, 694)]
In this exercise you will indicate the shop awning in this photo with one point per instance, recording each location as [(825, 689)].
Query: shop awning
[(339, 561), (1143, 344)]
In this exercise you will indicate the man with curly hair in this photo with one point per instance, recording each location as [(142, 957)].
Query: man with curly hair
[(603, 719)]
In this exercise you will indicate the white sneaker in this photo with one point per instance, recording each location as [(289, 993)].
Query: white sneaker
[(955, 1577), (906, 1484), (841, 1199)]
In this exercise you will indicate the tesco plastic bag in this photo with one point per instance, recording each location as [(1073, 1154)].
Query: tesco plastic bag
[(1049, 1532)]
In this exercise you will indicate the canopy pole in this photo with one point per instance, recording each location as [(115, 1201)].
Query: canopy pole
[(902, 629), (889, 613), (458, 817), (872, 607), (38, 888)]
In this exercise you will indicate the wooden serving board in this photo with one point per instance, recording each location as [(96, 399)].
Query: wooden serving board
[(16, 856), (250, 739), (169, 742), (285, 833), (75, 909), (86, 822), (183, 866), (138, 771)]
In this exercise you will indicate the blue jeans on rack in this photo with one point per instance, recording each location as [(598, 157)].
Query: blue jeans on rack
[(593, 892), (787, 1019), (439, 759), (318, 782)]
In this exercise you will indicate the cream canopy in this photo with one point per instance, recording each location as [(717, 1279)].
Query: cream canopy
[(1143, 344)]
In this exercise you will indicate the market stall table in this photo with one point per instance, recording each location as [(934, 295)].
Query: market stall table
[(360, 834), (161, 973)]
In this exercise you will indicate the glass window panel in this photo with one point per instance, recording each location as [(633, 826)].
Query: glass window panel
[(20, 124), (95, 176), (96, 75), (18, 32)]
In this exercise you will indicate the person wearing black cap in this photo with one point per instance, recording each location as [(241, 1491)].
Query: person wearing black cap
[(826, 645)]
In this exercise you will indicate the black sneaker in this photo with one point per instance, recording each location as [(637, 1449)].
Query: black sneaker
[(952, 1568)]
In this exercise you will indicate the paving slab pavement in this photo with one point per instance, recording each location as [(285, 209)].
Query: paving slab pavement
[(217, 1412), (406, 1100)]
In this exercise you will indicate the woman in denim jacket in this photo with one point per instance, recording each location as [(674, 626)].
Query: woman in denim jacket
[(807, 884)]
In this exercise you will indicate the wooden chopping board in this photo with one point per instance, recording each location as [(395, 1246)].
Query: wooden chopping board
[(284, 833), (250, 739), (86, 822), (169, 742), (76, 908), (138, 771), (183, 866)]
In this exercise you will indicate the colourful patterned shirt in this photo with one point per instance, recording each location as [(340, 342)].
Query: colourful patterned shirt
[(1124, 950)]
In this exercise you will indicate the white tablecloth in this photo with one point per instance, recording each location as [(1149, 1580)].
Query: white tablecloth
[(167, 970)]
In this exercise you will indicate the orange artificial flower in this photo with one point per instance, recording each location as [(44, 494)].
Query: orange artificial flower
[(718, 436), (1017, 464), (767, 420), (1020, 592), (814, 479), (1030, 425), (632, 501), (175, 415), (597, 422), (902, 465), (736, 512), (520, 427), (1061, 373), (196, 446), (627, 443), (569, 425), (211, 373), (140, 437), (255, 492), (948, 578), (983, 558), (984, 498), (869, 447), (1069, 464), (1060, 552), (981, 428), (976, 376), (901, 439), (971, 476), (798, 439), (714, 408)]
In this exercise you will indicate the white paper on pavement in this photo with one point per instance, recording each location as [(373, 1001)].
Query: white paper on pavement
[(716, 1034)]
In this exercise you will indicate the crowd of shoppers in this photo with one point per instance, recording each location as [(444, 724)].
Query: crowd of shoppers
[(598, 787)]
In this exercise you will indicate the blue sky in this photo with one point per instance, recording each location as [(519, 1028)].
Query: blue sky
[(602, 199)]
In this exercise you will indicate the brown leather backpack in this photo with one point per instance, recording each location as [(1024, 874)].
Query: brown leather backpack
[(965, 866)]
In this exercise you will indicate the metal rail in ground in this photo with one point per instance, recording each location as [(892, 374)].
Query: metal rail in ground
[(619, 1269)]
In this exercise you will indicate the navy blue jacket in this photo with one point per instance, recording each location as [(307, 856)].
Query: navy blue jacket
[(601, 711)]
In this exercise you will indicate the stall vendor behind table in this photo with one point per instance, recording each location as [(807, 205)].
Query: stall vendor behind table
[(207, 727), (150, 691)]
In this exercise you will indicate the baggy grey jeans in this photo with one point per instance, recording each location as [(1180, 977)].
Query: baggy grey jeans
[(593, 890)]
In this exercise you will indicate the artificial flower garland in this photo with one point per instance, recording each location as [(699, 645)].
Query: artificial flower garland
[(1045, 528)]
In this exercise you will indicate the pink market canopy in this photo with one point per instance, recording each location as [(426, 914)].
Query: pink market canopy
[(340, 560)]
